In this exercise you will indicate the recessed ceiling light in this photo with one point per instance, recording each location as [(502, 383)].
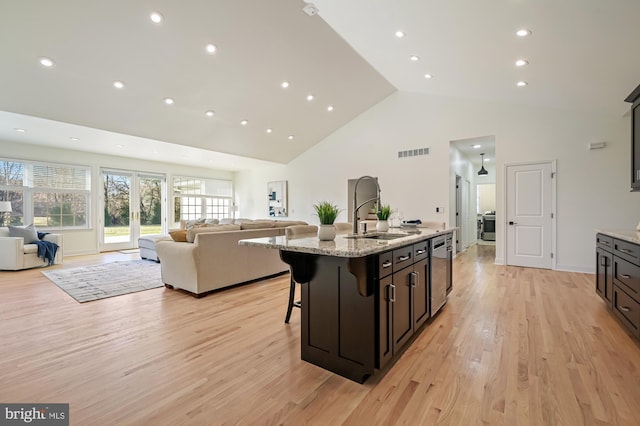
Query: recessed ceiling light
[(169, 101), (330, 108), (118, 146), (476, 146), (210, 113), (118, 84), (521, 83), (74, 139), (521, 63), (523, 32), (211, 48), (269, 130), (244, 122), (428, 76), (310, 97), (414, 58), (290, 137), (19, 130), (156, 17), (46, 62), (285, 84), (400, 34)]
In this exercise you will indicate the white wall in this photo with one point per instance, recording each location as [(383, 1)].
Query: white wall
[(593, 186), (487, 196), (87, 241)]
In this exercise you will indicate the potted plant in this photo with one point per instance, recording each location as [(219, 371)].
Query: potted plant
[(383, 213), (327, 212)]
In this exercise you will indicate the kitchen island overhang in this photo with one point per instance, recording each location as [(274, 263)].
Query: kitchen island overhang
[(347, 314)]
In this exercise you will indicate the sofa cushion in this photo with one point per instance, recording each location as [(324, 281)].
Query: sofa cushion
[(28, 232), (179, 235), (191, 233), (258, 224), (226, 221)]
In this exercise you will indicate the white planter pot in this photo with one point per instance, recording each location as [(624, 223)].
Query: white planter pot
[(326, 232), (382, 226)]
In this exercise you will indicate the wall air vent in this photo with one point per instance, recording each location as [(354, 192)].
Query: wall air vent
[(413, 152)]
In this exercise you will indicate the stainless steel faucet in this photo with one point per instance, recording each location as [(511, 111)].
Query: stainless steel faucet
[(356, 207)]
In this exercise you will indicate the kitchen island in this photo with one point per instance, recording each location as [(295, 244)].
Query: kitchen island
[(365, 298)]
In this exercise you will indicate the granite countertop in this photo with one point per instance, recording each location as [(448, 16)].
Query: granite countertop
[(343, 246), (630, 235)]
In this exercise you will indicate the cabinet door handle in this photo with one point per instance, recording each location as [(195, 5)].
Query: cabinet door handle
[(624, 308), (420, 251), (414, 278), (603, 261), (403, 258), (626, 277), (386, 264), (393, 293)]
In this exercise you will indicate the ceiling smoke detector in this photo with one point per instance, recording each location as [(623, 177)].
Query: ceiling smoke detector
[(310, 9)]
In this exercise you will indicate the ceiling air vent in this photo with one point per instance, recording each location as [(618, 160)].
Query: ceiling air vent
[(413, 152)]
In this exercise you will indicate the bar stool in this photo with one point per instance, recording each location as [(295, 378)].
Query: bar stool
[(292, 232)]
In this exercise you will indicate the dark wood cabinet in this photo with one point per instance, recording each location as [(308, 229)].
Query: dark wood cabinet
[(618, 279), (604, 278), (404, 298), (604, 267), (634, 99)]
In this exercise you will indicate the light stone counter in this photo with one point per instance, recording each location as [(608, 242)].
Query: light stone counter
[(629, 235), (343, 246)]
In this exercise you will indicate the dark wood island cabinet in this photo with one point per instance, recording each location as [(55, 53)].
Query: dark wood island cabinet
[(362, 299)]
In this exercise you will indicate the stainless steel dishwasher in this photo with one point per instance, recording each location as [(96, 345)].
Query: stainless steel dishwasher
[(439, 273)]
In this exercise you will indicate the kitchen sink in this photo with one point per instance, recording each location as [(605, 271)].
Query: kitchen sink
[(376, 236)]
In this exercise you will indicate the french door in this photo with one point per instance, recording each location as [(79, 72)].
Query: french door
[(133, 204)]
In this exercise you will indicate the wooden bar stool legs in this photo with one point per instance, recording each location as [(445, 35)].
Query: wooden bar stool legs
[(292, 303)]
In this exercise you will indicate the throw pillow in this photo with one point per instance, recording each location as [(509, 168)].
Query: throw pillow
[(179, 235), (29, 233)]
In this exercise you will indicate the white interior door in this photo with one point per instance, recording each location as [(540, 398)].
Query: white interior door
[(529, 215)]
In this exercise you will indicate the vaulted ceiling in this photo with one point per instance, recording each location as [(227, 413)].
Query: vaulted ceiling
[(580, 54)]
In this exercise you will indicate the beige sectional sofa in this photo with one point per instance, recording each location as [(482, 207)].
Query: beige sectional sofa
[(214, 259)]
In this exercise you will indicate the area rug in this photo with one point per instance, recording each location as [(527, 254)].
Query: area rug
[(107, 280)]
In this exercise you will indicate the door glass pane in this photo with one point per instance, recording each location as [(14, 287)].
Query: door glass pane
[(117, 212), (150, 205)]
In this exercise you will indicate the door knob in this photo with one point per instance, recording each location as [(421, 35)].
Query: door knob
[(512, 223)]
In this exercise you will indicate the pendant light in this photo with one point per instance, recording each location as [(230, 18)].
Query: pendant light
[(482, 170)]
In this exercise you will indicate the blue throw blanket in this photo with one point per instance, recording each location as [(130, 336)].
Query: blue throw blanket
[(46, 249)]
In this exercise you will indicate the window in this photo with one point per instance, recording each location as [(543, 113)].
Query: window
[(47, 195), (196, 198)]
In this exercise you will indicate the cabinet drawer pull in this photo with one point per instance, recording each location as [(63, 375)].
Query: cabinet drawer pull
[(605, 243), (386, 264), (624, 308), (403, 258), (393, 293), (626, 251), (626, 277), (420, 251)]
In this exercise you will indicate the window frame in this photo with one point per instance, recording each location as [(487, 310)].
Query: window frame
[(30, 192)]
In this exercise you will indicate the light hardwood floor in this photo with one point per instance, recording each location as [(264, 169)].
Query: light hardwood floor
[(513, 346)]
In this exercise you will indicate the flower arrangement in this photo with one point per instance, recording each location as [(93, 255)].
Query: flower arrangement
[(327, 212), (383, 212)]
